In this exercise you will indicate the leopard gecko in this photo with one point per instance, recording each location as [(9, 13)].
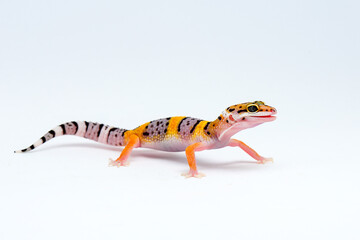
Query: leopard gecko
[(173, 134)]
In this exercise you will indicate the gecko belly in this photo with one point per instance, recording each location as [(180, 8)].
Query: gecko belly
[(168, 146)]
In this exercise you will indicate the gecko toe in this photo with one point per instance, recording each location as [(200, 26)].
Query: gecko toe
[(192, 173), (117, 163), (265, 160)]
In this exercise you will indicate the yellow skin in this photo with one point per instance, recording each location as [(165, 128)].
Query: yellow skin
[(173, 134), (204, 135)]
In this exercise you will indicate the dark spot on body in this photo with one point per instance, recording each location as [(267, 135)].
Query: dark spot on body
[(52, 132), (219, 117), (208, 132), (109, 133), (63, 128), (227, 121), (87, 125), (99, 131), (146, 134), (76, 126), (193, 128), (231, 109), (181, 123)]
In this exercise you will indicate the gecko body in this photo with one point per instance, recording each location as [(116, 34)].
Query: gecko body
[(173, 134)]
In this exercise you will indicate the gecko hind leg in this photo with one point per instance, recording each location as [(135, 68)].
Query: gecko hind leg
[(134, 142), (250, 151)]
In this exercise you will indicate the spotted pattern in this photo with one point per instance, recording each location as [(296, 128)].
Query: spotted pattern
[(187, 126), (157, 129), (49, 135), (70, 128), (116, 136), (241, 108), (206, 130), (92, 131)]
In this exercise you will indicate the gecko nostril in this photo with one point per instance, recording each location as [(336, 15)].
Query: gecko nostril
[(273, 110)]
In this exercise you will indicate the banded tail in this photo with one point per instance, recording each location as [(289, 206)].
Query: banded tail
[(90, 130)]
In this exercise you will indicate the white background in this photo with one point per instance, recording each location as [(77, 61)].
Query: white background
[(124, 63)]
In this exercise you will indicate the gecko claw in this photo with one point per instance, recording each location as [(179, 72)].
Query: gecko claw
[(265, 160), (117, 163)]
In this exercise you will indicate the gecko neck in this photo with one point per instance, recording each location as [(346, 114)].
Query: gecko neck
[(225, 128)]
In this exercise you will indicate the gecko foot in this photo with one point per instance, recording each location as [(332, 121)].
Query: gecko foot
[(193, 173), (265, 160), (117, 163)]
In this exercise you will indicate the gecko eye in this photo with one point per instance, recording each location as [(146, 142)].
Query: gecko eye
[(252, 108)]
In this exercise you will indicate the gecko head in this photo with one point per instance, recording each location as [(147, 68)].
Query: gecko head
[(250, 112), (242, 116)]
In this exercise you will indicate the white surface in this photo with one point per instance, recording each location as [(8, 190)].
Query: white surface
[(125, 63)]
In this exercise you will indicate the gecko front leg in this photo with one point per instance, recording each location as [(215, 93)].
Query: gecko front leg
[(134, 142), (190, 155), (249, 150)]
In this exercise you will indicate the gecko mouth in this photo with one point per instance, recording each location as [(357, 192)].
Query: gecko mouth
[(267, 117)]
